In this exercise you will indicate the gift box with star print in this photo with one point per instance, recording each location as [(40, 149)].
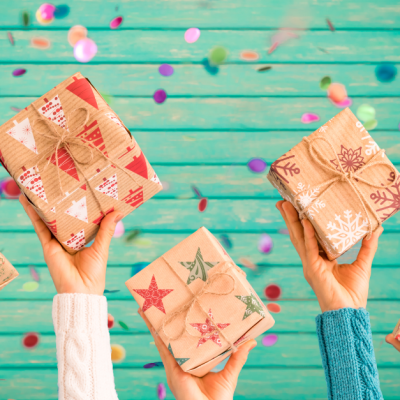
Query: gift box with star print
[(341, 181), (200, 302)]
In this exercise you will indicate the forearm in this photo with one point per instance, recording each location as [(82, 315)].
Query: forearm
[(83, 347), (345, 342)]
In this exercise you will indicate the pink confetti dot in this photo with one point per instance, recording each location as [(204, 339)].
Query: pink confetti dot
[(192, 35), (160, 96), (269, 340), (116, 22), (307, 118)]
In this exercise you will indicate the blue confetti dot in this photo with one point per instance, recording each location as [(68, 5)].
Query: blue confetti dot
[(385, 72), (211, 69), (138, 267)]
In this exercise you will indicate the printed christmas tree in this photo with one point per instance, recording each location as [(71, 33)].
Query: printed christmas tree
[(77, 241), (78, 210), (65, 163), (22, 132), (114, 118), (109, 187), (32, 181), (83, 89), (53, 111), (138, 166)]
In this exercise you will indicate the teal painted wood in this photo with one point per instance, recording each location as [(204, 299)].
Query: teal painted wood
[(227, 113), (231, 80), (295, 316), (155, 46), (217, 13)]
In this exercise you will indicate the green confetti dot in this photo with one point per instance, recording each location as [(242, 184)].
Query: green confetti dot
[(218, 55), (30, 286), (325, 82), (123, 325), (371, 124), (366, 113)]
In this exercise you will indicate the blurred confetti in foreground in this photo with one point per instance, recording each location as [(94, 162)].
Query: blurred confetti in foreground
[(265, 244), (161, 391), (269, 340), (30, 340), (118, 353), (272, 292), (119, 229)]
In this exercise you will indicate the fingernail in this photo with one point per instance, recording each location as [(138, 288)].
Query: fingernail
[(119, 217)]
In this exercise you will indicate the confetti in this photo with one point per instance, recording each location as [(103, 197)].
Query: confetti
[(325, 82), (144, 243), (272, 292), (385, 72), (10, 38), (247, 263), (118, 353), (110, 321), (265, 244), (34, 273), (274, 308), (343, 104), (188, 138), (25, 18), (42, 21), (257, 165), (203, 204), (19, 72), (138, 267), (9, 188), (111, 291), (116, 22), (76, 33), (119, 229), (331, 27), (371, 124), (269, 340), (226, 241), (30, 340), (30, 286), (160, 96), (192, 35), (211, 69), (16, 109), (46, 11), (40, 43), (365, 112), (161, 391), (196, 192), (307, 118), (85, 50), (323, 50), (283, 231), (166, 70), (249, 55), (107, 98), (61, 11), (153, 364), (218, 55), (262, 69), (132, 235), (123, 325), (273, 47), (337, 92)]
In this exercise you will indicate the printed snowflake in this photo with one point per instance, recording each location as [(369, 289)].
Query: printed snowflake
[(323, 129), (308, 197), (289, 168), (372, 148), (348, 232), (389, 198), (350, 160)]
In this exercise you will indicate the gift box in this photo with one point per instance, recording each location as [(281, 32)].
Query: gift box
[(7, 272), (341, 181), (396, 332), (199, 302), (75, 161)]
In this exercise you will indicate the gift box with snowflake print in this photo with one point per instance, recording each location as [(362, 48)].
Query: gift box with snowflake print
[(200, 302), (341, 181)]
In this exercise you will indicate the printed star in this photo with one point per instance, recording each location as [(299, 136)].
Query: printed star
[(252, 304), (180, 361), (153, 295), (198, 268), (208, 331)]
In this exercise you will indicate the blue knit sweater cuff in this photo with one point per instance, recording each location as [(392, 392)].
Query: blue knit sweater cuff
[(345, 342)]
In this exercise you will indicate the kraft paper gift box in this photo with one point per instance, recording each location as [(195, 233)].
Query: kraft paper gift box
[(97, 168), (396, 332), (7, 272), (341, 181), (190, 291)]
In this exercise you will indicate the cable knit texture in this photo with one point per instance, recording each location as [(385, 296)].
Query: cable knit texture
[(345, 342), (83, 348)]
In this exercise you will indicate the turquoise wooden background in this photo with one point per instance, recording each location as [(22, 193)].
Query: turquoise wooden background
[(204, 135)]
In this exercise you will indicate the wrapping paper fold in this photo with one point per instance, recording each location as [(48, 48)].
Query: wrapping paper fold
[(67, 191), (7, 272), (173, 280), (336, 212)]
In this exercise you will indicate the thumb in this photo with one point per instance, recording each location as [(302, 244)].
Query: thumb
[(237, 360), (106, 232), (393, 341)]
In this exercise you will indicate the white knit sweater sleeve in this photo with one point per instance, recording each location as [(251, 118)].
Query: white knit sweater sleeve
[(85, 369)]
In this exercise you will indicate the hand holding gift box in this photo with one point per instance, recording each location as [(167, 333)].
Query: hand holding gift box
[(396, 331), (75, 161), (199, 302), (7, 272), (341, 180)]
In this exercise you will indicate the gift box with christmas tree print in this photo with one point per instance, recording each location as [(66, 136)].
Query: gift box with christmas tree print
[(199, 302), (341, 181), (75, 161), (7, 272), (396, 332)]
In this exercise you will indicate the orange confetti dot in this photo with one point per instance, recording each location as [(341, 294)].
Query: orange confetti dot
[(274, 308), (337, 92), (249, 55), (117, 353), (40, 43)]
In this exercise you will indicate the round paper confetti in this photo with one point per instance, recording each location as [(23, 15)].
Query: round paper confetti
[(85, 50), (385, 72), (203, 204), (365, 112), (248, 263), (249, 55), (30, 286), (41, 20), (211, 69), (153, 364), (161, 391), (192, 35), (269, 340), (343, 104), (272, 292), (371, 124), (30, 340), (47, 11), (307, 118), (166, 70), (274, 308), (160, 96), (325, 82), (40, 43), (218, 55), (337, 92), (76, 33), (110, 321), (257, 165), (117, 353), (265, 244), (119, 229), (9, 188), (116, 22), (19, 72), (138, 267), (61, 11)]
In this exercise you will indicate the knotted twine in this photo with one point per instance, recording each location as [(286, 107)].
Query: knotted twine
[(341, 176), (67, 139), (187, 307)]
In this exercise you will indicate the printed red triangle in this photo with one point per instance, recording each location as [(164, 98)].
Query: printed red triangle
[(138, 166), (65, 162), (109, 187), (78, 210), (33, 182), (83, 89), (76, 242), (22, 132), (53, 111)]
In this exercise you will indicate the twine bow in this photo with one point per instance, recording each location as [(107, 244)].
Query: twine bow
[(187, 308), (350, 177)]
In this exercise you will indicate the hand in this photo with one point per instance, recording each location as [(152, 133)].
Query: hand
[(393, 341), (83, 272), (213, 386), (336, 286)]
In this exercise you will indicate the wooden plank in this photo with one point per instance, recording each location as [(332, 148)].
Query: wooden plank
[(218, 13), (232, 79), (254, 383), (159, 46), (227, 113), (295, 316), (384, 284)]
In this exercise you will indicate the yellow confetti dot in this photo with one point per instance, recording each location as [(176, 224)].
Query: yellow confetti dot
[(117, 353)]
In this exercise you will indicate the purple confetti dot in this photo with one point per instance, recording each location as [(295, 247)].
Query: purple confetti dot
[(160, 96), (161, 391), (149, 365), (257, 165), (166, 70), (269, 340), (265, 244), (19, 72)]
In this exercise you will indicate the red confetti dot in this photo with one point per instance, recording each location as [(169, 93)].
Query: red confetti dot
[(110, 321), (203, 204), (272, 292), (30, 340), (274, 308)]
